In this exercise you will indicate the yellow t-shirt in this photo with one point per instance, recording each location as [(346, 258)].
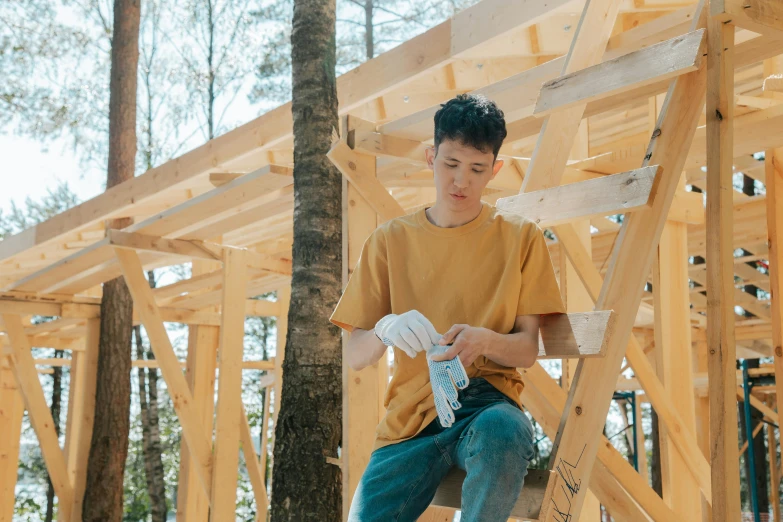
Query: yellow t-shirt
[(483, 273)]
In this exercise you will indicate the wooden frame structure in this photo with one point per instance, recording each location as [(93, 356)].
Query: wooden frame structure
[(604, 102)]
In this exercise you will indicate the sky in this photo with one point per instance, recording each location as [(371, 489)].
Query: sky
[(30, 169)]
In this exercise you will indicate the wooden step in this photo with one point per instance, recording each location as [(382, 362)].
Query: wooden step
[(537, 489)]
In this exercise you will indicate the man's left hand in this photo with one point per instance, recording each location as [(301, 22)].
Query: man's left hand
[(469, 343)]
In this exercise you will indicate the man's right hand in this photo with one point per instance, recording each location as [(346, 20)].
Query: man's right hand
[(411, 332)]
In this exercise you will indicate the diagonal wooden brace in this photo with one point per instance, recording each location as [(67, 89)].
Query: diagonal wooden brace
[(588, 403), (23, 368), (192, 427)]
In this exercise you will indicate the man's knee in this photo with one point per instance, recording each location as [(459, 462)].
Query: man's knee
[(504, 432)]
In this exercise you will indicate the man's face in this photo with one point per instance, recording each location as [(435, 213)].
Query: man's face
[(461, 170)]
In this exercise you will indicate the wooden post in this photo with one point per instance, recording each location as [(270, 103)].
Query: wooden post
[(720, 273), (631, 260), (577, 299), (81, 412), (11, 413), (773, 166), (193, 428), (701, 356), (229, 402), (362, 390), (203, 341), (23, 368), (673, 351)]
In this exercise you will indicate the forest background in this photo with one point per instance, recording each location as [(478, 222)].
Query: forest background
[(205, 67)]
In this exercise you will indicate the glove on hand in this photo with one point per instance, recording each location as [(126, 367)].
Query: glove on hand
[(446, 377), (411, 332)]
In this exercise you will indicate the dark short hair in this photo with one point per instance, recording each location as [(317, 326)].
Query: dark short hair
[(473, 120)]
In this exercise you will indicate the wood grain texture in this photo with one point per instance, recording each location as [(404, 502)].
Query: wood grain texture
[(724, 457), (614, 194)]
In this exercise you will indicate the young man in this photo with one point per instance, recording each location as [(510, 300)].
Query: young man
[(482, 277)]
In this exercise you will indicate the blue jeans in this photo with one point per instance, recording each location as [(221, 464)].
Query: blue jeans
[(491, 439)]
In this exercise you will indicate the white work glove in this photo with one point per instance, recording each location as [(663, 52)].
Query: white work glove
[(411, 332), (446, 377)]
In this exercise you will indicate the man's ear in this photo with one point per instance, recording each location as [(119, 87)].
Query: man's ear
[(429, 154), (496, 168)]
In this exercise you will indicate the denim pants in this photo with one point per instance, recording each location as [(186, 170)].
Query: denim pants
[(491, 439)]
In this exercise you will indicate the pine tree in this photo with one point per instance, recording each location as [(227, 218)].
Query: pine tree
[(109, 445), (305, 487)]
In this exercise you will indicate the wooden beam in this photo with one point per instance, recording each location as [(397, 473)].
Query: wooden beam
[(527, 507), (81, 413), (664, 406), (575, 335), (192, 249), (773, 164), (761, 16), (502, 16), (193, 429), (360, 171), (229, 401), (673, 353), (11, 414), (203, 342), (590, 396), (40, 417), (363, 390), (577, 299), (621, 487), (614, 194), (135, 241), (517, 94), (212, 206), (559, 129), (666, 60), (254, 469), (724, 442), (769, 414)]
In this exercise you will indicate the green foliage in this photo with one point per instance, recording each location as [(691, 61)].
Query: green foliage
[(57, 200), (392, 23)]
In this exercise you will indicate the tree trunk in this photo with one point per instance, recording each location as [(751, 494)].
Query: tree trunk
[(369, 36), (305, 487), (656, 474), (109, 444), (57, 388), (151, 446)]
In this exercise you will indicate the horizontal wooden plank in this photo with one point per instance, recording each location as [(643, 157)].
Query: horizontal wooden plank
[(680, 55), (614, 194), (47, 278), (241, 193), (575, 335), (760, 16), (528, 505), (250, 143), (197, 249), (192, 249), (518, 92)]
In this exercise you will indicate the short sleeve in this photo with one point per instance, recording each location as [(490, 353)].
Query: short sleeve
[(366, 298), (540, 293)]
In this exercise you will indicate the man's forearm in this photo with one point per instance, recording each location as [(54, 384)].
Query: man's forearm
[(515, 350), (363, 349)]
